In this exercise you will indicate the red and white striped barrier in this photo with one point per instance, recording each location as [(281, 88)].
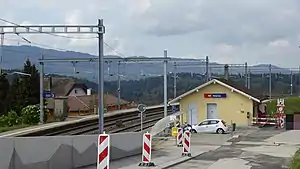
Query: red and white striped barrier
[(103, 151), (264, 118), (278, 122), (179, 137), (186, 144), (264, 123), (146, 152), (282, 122)]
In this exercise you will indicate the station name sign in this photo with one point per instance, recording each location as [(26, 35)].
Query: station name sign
[(215, 95)]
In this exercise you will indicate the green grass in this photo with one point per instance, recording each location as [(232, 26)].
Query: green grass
[(295, 163), (292, 105), (5, 129)]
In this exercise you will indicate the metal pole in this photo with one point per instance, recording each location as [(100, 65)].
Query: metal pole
[(165, 84), (175, 79), (100, 78), (291, 83), (299, 81), (249, 79), (42, 91), (270, 81), (246, 75), (119, 86), (1, 51), (206, 69), (141, 113)]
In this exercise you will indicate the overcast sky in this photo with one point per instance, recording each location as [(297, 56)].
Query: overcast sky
[(228, 31)]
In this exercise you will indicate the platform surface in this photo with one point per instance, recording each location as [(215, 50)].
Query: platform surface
[(25, 130), (166, 153)]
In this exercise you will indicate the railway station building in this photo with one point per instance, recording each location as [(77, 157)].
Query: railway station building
[(219, 99)]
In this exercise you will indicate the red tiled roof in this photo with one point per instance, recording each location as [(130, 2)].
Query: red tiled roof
[(86, 102), (61, 86)]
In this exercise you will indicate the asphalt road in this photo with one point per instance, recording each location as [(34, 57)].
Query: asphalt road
[(232, 156)]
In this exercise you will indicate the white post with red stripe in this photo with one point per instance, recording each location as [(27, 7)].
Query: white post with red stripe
[(103, 151), (146, 152), (186, 150), (179, 137)]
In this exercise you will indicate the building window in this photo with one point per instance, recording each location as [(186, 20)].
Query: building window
[(75, 91)]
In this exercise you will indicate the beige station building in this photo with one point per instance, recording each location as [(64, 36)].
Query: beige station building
[(219, 99)]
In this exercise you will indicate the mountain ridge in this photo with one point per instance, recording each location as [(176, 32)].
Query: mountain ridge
[(15, 56)]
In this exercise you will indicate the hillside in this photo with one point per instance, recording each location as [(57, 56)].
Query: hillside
[(15, 56), (150, 90)]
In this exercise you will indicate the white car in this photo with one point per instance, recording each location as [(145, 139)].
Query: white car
[(210, 126)]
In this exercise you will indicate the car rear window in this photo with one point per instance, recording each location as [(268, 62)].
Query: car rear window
[(224, 123)]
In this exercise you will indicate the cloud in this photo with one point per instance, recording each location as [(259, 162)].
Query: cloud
[(279, 43), (229, 31)]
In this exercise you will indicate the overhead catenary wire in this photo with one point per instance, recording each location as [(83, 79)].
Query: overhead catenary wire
[(70, 37), (108, 46), (43, 45), (36, 43)]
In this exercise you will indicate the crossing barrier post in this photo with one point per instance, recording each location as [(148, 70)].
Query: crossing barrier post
[(186, 150), (103, 151), (179, 137), (146, 152)]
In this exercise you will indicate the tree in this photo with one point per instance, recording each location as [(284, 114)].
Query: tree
[(16, 97), (25, 89), (31, 83), (4, 88)]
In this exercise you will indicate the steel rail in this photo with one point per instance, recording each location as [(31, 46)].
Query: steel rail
[(111, 127)]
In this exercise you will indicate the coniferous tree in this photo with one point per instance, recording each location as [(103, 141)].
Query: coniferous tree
[(25, 89), (4, 88), (16, 97), (31, 83)]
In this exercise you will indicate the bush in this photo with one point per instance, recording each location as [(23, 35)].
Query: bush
[(3, 122), (31, 114), (11, 119), (291, 105)]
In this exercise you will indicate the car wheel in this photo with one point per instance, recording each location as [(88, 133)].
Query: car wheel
[(193, 131), (220, 131)]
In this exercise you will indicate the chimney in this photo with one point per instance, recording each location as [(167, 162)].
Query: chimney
[(49, 83), (89, 91), (226, 72)]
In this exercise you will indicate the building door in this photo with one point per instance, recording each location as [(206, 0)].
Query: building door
[(211, 111), (193, 114)]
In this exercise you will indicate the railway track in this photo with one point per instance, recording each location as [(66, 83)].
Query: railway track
[(111, 127), (126, 122)]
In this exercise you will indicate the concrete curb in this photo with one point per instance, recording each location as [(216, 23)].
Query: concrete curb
[(257, 143), (288, 144), (181, 160)]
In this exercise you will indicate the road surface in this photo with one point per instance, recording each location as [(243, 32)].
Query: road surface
[(245, 152)]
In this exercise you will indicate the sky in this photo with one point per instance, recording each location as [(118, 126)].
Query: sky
[(228, 31)]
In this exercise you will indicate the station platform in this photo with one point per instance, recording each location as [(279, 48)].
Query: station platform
[(69, 120), (166, 154)]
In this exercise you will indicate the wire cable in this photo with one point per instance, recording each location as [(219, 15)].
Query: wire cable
[(70, 37), (114, 50), (36, 43)]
